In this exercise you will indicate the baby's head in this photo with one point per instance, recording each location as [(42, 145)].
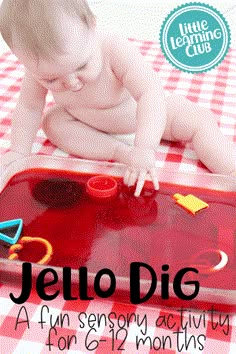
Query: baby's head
[(38, 27), (55, 40)]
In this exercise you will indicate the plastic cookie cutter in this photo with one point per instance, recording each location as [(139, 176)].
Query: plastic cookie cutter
[(190, 202), (15, 249), (204, 259), (10, 230), (102, 187)]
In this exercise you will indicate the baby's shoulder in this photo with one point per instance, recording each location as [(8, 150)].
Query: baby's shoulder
[(112, 41)]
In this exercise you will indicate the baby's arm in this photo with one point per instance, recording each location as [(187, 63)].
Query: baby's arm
[(25, 119), (144, 85)]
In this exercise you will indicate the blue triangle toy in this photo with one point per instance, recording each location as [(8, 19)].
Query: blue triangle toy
[(10, 230)]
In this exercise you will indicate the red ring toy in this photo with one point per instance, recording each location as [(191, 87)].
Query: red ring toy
[(102, 186)]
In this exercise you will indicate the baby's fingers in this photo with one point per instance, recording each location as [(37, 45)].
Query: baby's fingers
[(153, 174), (126, 176), (131, 176), (140, 183)]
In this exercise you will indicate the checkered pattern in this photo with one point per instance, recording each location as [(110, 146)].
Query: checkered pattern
[(213, 90), (18, 338)]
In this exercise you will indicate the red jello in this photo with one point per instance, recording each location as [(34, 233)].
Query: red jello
[(153, 229)]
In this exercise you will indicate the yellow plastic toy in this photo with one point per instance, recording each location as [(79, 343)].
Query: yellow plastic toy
[(190, 202)]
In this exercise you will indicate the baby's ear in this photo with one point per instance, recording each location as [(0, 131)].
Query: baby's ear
[(91, 22), (88, 18)]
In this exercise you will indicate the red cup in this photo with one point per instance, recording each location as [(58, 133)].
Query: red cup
[(102, 187)]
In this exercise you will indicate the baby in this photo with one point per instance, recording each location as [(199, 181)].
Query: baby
[(101, 86)]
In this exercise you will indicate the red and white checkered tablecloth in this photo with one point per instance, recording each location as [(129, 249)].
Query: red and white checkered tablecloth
[(216, 90)]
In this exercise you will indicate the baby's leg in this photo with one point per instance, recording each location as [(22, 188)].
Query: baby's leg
[(77, 138), (188, 121)]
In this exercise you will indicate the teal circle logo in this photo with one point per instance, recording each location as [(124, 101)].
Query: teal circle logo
[(195, 37)]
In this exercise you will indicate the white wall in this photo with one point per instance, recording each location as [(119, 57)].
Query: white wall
[(142, 19)]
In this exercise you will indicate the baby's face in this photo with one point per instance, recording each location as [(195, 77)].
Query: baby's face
[(71, 71)]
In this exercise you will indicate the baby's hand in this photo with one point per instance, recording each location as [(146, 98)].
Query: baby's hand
[(141, 163), (8, 158)]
